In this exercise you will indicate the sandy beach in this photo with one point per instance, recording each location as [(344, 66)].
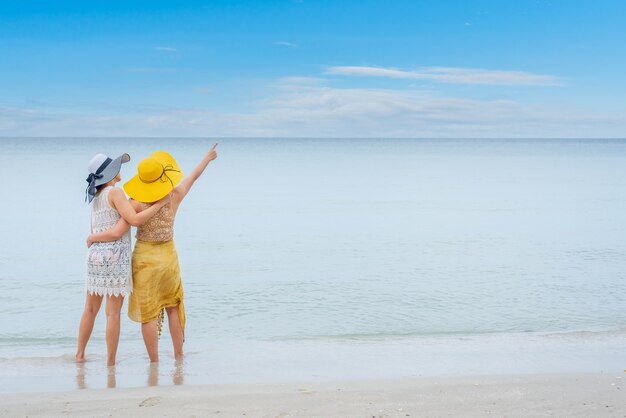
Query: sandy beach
[(571, 395)]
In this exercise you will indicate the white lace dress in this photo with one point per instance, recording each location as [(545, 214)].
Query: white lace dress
[(108, 263)]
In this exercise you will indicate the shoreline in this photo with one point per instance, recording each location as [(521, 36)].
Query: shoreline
[(276, 362), (572, 395)]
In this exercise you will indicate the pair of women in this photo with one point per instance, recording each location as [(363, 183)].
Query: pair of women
[(151, 277)]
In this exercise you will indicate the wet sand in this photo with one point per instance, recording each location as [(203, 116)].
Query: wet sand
[(571, 395)]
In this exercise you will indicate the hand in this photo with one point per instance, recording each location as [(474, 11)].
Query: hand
[(89, 241), (212, 154)]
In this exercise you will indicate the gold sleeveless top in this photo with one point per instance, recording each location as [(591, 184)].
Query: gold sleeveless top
[(158, 228)]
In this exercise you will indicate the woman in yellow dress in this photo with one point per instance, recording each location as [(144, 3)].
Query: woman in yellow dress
[(157, 285)]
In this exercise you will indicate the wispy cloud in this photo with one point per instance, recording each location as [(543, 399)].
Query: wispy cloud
[(304, 107), (165, 49), (285, 43), (452, 75)]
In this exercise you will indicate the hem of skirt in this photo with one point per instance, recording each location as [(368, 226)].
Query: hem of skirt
[(105, 291), (160, 318), (145, 321)]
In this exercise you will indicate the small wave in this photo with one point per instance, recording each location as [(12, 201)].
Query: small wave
[(43, 360), (588, 334), (384, 336)]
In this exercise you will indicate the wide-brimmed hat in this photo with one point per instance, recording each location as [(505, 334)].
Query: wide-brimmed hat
[(156, 176), (102, 169)]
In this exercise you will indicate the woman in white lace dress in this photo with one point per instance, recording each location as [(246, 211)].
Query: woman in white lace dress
[(108, 263)]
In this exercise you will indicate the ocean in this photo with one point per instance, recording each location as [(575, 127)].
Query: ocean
[(333, 258)]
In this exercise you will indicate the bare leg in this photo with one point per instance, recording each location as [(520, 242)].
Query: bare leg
[(92, 306), (113, 309), (151, 339), (176, 331)]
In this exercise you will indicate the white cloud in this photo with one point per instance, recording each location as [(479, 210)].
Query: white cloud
[(165, 49), (452, 75), (308, 108), (285, 43)]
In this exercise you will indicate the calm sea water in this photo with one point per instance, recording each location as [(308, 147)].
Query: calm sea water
[(308, 245)]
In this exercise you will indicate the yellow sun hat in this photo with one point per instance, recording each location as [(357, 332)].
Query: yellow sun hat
[(156, 176)]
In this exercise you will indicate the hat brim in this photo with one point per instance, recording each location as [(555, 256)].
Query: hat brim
[(112, 170), (151, 192)]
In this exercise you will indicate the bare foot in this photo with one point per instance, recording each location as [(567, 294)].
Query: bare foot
[(79, 358)]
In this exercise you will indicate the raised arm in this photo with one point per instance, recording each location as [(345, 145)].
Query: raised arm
[(180, 191), (112, 234), (128, 213)]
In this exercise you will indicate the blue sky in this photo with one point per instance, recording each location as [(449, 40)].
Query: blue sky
[(313, 68)]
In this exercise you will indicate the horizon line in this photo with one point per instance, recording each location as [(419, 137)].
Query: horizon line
[(316, 137)]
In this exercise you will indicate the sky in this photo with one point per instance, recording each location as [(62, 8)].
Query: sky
[(350, 68)]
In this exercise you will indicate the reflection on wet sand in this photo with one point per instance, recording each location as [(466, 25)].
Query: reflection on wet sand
[(80, 376), (178, 377), (111, 381), (178, 374), (153, 374), (95, 376)]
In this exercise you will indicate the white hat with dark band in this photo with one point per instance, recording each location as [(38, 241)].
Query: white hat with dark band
[(102, 169)]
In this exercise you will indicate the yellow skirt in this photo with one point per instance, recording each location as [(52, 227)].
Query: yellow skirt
[(156, 283)]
